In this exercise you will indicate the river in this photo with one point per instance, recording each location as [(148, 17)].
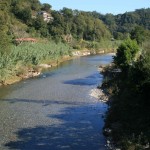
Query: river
[(55, 110)]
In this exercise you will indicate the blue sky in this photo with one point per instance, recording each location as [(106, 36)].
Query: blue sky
[(101, 6)]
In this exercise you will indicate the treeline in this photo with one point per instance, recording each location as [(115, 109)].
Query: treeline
[(20, 19), (122, 25), (128, 84)]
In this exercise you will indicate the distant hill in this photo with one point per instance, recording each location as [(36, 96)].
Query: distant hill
[(21, 19), (124, 23)]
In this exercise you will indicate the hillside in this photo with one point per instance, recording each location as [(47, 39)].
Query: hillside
[(122, 24), (24, 18)]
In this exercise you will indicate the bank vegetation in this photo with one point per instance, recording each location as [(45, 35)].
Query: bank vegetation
[(127, 81)]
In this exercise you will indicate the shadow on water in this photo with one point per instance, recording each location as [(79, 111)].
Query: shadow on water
[(80, 129), (43, 102), (87, 81)]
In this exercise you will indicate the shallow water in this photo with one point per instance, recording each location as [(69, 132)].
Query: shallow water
[(55, 110)]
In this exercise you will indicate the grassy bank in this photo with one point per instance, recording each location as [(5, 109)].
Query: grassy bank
[(27, 56), (23, 60)]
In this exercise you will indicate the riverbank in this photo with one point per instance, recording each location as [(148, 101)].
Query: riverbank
[(30, 72), (102, 92), (34, 71), (127, 118)]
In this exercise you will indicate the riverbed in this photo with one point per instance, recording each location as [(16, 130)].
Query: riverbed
[(55, 110)]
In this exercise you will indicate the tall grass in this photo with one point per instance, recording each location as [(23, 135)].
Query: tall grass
[(30, 54)]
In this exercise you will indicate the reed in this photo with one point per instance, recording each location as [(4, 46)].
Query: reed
[(30, 54)]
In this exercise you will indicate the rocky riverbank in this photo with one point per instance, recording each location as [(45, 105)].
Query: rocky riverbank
[(101, 93)]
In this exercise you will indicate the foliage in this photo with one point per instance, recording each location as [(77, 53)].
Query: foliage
[(46, 7), (126, 53), (4, 28), (140, 34), (30, 54), (128, 113), (127, 22), (89, 26), (80, 25)]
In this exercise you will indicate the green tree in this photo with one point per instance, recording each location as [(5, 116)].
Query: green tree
[(46, 7), (4, 38), (39, 23), (26, 15), (68, 13), (126, 53), (139, 34), (4, 42), (35, 5)]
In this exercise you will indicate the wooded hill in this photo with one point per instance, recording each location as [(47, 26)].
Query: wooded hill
[(122, 24), (20, 19)]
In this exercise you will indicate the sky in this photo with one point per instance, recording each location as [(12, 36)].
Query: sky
[(101, 6)]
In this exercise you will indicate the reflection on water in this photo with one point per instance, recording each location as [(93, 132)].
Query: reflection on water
[(55, 110)]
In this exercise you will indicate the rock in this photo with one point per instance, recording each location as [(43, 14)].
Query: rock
[(45, 66), (108, 142), (81, 53), (147, 146), (34, 74), (108, 130), (31, 73), (99, 94)]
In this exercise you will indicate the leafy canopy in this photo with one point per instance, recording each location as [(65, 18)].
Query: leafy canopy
[(126, 53)]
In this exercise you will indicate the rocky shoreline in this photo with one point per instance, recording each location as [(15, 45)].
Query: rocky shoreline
[(99, 94), (108, 71)]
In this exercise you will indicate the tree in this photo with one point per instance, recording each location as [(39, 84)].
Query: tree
[(126, 53), (4, 38), (46, 7), (39, 23), (35, 5), (4, 42), (25, 15), (68, 13), (139, 34)]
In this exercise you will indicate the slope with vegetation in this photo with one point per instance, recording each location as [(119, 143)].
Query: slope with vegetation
[(122, 25)]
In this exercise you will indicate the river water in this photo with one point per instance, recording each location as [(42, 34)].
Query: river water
[(55, 110)]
